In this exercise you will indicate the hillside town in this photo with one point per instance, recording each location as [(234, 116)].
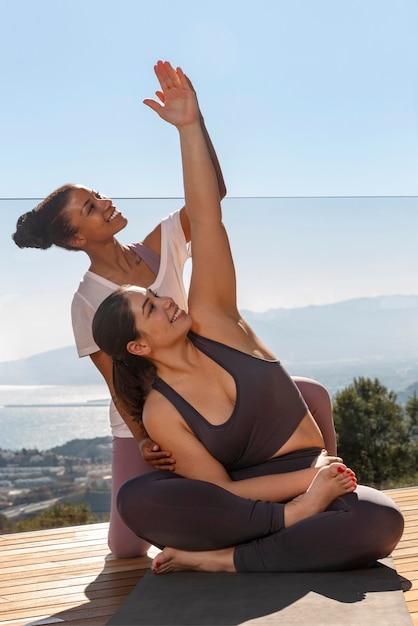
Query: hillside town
[(32, 481)]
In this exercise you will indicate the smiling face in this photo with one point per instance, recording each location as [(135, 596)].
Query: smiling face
[(159, 320), (93, 216)]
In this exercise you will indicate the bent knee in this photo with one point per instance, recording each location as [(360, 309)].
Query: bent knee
[(381, 527), (392, 524), (123, 548), (126, 500)]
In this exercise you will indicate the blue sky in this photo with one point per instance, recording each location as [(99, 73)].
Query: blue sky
[(301, 97)]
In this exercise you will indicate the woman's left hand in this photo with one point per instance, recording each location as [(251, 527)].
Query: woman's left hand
[(159, 459)]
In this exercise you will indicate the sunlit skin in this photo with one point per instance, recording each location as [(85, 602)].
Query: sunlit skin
[(94, 216), (97, 222), (160, 320)]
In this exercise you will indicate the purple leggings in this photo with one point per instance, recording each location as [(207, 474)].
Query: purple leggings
[(319, 403), (169, 510), (127, 463)]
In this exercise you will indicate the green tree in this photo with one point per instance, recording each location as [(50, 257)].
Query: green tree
[(411, 409), (372, 433), (58, 516)]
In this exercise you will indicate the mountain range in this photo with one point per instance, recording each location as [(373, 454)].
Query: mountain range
[(376, 337)]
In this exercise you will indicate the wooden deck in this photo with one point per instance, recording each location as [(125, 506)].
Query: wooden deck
[(68, 576)]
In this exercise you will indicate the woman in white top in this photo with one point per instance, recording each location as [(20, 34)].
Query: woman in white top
[(75, 217)]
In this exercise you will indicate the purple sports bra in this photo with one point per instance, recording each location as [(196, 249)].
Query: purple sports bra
[(267, 410), (150, 257)]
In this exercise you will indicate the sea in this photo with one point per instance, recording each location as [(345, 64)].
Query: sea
[(44, 416)]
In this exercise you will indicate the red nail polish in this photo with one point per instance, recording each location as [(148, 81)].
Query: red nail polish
[(340, 469), (157, 564)]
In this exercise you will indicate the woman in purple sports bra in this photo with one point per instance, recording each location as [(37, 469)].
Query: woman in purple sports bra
[(253, 489)]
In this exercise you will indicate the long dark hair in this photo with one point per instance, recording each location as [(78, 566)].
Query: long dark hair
[(113, 328), (47, 224)]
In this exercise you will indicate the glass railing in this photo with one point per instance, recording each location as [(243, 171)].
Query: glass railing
[(330, 285), (296, 258)]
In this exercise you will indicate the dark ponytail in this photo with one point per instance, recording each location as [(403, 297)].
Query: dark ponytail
[(47, 224), (113, 328)]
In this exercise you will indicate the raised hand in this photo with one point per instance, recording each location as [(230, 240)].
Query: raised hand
[(178, 103)]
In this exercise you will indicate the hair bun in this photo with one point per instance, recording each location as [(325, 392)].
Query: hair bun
[(29, 232)]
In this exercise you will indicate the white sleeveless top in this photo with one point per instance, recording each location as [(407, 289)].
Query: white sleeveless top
[(93, 289)]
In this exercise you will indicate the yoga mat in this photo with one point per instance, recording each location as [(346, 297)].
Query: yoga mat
[(352, 598)]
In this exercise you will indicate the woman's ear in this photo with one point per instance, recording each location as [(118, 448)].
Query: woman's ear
[(138, 348), (78, 242)]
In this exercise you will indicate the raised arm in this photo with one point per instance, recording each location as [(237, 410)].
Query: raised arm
[(214, 159), (212, 152), (212, 287)]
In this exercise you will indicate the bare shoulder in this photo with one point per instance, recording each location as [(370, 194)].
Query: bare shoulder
[(154, 402), (153, 240), (159, 415), (231, 330)]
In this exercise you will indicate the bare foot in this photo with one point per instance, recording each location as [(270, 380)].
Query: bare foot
[(172, 560), (330, 482)]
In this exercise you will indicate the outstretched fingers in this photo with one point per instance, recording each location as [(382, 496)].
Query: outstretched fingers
[(166, 83), (166, 75), (177, 102), (170, 78)]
